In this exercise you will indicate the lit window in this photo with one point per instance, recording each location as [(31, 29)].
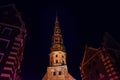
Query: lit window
[(1, 56)]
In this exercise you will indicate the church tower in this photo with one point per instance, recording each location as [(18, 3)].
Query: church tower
[(57, 69)]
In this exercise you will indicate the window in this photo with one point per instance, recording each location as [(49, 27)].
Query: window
[(4, 43), (7, 31), (56, 61), (62, 56), (56, 55), (57, 40), (54, 73), (62, 62), (1, 56), (60, 73)]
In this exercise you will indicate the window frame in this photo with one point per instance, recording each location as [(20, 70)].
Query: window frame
[(2, 55), (6, 40), (6, 28)]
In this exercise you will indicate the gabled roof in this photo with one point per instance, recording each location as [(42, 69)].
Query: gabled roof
[(89, 53)]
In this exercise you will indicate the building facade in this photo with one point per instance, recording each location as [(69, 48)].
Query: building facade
[(57, 69), (101, 63), (12, 38)]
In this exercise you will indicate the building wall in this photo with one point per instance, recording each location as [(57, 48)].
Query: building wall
[(12, 38), (101, 66)]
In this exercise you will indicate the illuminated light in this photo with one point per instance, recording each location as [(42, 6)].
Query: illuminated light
[(106, 67), (5, 75), (16, 44), (110, 65), (107, 57), (109, 74), (11, 63), (10, 57), (114, 73), (15, 48), (14, 53), (108, 61), (101, 76), (108, 70), (111, 79), (18, 39), (8, 68), (112, 69), (105, 63), (116, 77), (103, 59)]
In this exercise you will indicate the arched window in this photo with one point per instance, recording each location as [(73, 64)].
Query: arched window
[(56, 55), (62, 62), (54, 73), (56, 61)]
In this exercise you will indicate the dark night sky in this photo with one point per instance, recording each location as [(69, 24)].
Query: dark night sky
[(82, 23)]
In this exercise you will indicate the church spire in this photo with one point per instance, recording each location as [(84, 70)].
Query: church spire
[(57, 40)]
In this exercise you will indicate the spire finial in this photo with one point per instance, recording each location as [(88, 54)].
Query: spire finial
[(56, 21), (57, 40)]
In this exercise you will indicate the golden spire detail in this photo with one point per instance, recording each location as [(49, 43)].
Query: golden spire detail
[(57, 40)]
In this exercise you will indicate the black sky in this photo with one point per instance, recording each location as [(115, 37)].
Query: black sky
[(81, 22)]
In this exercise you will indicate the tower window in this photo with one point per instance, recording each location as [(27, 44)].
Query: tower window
[(54, 73), (56, 61), (62, 56), (56, 55), (60, 73), (62, 62)]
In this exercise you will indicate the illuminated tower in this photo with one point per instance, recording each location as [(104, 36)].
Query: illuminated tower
[(58, 67), (12, 37), (102, 63)]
